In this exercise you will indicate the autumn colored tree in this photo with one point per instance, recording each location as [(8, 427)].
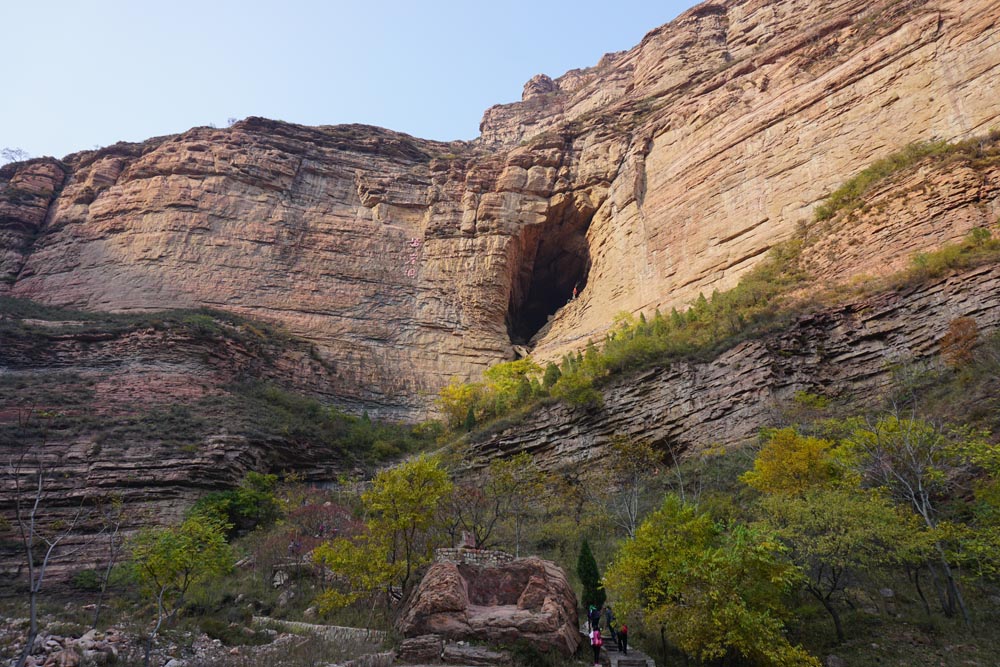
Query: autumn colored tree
[(167, 562), (457, 403), (792, 463), (506, 383), (402, 510), (505, 386), (959, 341), (716, 590)]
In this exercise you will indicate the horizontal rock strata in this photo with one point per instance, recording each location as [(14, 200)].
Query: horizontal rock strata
[(661, 172), (691, 406)]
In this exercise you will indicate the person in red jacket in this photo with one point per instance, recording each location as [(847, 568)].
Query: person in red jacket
[(623, 639)]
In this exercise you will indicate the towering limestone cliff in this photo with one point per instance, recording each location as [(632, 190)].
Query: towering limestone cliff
[(662, 172), (390, 265)]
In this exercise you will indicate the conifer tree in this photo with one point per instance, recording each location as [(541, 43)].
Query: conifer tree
[(590, 578)]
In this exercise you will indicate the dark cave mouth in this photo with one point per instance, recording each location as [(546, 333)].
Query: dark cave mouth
[(555, 259)]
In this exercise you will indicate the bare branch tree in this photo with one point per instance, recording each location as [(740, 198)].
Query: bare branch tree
[(40, 536), (113, 519), (633, 465), (11, 154)]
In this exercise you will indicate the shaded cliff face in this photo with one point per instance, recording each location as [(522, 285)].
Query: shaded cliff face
[(153, 412), (660, 173)]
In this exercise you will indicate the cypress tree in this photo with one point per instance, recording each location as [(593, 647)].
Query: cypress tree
[(590, 578), (551, 376)]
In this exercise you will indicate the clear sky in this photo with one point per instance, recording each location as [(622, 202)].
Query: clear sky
[(86, 73)]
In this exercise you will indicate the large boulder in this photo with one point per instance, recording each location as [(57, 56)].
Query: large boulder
[(528, 599)]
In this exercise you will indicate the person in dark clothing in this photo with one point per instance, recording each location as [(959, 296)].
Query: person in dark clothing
[(609, 620), (594, 617), (623, 639)]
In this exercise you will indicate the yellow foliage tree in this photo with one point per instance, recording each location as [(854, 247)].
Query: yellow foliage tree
[(402, 512), (792, 463)]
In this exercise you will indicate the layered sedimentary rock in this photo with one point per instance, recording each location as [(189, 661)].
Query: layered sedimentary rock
[(689, 407), (153, 416), (662, 172)]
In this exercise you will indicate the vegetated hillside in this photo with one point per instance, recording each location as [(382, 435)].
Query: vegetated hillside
[(158, 409), (661, 172), (873, 283)]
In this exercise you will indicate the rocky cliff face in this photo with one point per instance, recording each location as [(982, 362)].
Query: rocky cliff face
[(152, 414), (690, 406), (397, 264), (661, 172)]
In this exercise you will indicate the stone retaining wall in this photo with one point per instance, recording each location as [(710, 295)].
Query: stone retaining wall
[(466, 556), (336, 633)]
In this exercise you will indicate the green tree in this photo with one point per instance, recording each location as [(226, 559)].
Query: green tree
[(167, 562), (401, 507), (836, 534), (253, 503), (716, 591), (590, 578), (578, 388), (552, 375), (918, 463)]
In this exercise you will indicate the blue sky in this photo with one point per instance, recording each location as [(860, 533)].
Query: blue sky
[(86, 73)]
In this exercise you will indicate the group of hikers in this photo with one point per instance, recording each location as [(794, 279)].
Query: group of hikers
[(619, 635)]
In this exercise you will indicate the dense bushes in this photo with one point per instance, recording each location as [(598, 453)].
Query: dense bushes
[(253, 503), (268, 411)]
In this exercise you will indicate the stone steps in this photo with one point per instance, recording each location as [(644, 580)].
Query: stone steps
[(612, 657)]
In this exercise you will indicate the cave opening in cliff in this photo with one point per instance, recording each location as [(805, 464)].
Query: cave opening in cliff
[(555, 259)]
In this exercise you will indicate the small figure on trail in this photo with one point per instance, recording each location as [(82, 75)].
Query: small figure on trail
[(609, 620), (623, 639), (576, 291), (595, 643), (594, 617)]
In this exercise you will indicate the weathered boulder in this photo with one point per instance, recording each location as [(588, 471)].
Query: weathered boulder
[(421, 650), (527, 599)]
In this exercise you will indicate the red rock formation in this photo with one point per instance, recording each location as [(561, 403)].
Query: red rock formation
[(528, 599), (659, 173)]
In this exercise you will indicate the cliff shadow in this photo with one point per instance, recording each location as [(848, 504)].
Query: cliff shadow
[(554, 261)]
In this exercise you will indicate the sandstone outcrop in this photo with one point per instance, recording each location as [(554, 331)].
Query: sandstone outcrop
[(690, 406), (155, 414), (528, 599), (663, 171), (397, 264)]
